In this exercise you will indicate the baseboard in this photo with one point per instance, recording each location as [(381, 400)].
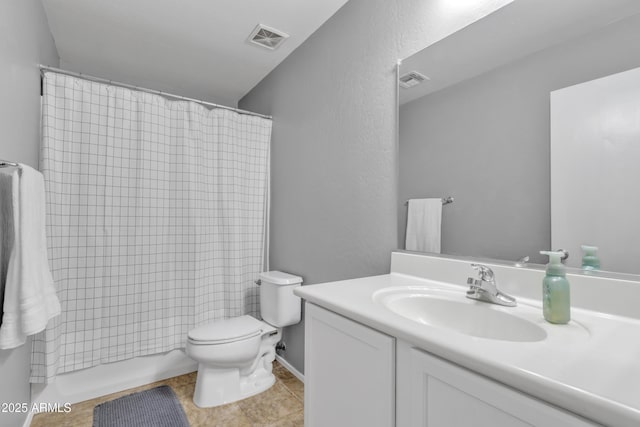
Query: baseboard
[(27, 421), (290, 368)]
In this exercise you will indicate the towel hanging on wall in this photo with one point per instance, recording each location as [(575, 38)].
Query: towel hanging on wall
[(424, 223), (7, 179), (29, 294)]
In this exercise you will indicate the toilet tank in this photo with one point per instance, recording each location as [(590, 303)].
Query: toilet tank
[(278, 305)]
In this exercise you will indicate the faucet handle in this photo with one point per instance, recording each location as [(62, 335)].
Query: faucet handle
[(484, 272)]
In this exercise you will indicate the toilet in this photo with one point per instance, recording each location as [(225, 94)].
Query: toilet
[(235, 355)]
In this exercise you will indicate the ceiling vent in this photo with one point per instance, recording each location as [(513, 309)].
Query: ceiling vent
[(411, 79), (267, 37)]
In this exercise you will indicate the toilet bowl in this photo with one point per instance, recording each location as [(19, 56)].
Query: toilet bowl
[(235, 355)]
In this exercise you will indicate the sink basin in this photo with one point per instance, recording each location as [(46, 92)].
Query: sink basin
[(453, 311)]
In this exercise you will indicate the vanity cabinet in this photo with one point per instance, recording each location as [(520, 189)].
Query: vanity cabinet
[(349, 372), (434, 393), (358, 376)]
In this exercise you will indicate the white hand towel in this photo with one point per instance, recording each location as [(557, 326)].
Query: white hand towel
[(30, 299), (424, 224)]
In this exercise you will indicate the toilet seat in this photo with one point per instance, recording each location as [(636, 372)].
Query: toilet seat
[(226, 331)]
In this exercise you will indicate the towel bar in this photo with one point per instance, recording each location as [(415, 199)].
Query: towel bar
[(5, 163), (445, 201)]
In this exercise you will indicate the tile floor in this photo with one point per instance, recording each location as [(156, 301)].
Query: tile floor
[(281, 405)]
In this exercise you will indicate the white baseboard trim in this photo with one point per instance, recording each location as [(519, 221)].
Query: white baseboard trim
[(27, 421), (290, 368)]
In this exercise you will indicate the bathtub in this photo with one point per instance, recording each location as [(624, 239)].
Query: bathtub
[(85, 384)]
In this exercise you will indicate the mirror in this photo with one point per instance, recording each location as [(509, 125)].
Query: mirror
[(477, 128)]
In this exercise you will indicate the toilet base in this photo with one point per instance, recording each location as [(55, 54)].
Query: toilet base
[(217, 386)]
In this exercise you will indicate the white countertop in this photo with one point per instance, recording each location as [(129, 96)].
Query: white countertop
[(590, 366)]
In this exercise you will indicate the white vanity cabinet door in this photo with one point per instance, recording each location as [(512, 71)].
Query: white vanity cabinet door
[(349, 372), (436, 393)]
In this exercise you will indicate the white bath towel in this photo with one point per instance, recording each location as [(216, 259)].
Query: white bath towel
[(424, 223), (7, 180), (30, 299)]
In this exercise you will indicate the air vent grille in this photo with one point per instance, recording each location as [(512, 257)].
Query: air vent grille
[(411, 79), (267, 37)]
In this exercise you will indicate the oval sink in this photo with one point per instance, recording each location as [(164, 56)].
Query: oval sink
[(449, 310)]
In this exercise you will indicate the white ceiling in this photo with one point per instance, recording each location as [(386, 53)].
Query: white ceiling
[(194, 48), (514, 31)]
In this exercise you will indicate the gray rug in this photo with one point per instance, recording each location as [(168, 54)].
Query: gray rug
[(157, 407)]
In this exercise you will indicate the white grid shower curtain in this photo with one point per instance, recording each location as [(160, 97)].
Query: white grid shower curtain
[(156, 220)]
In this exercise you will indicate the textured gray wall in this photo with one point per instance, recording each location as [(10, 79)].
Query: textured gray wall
[(334, 151), (26, 41), (486, 142)]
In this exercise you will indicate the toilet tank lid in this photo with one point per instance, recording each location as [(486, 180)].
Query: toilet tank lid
[(280, 278)]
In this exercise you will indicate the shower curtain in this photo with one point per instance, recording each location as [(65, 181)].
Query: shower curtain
[(156, 220)]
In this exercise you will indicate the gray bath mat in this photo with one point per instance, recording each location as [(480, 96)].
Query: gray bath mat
[(158, 407)]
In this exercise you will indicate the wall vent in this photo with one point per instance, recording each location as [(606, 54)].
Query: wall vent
[(267, 37), (411, 79)]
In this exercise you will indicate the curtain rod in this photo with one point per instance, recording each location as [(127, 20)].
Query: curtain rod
[(153, 91)]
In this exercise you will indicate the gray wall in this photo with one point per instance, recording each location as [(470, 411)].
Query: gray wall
[(486, 142), (334, 151), (26, 42)]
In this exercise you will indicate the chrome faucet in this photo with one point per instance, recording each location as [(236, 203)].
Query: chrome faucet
[(483, 288)]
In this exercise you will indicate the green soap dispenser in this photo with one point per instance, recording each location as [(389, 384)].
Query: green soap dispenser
[(556, 305), (590, 260)]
